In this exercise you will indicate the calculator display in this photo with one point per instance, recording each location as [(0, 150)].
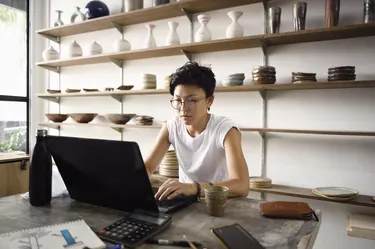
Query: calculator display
[(147, 218)]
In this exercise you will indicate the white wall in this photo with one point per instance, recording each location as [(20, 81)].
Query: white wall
[(299, 160)]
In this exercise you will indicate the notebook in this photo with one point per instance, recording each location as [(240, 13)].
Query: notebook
[(70, 235)]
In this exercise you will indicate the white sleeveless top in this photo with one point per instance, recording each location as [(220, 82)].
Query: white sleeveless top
[(201, 158)]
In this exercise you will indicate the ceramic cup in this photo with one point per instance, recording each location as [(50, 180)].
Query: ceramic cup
[(216, 198)]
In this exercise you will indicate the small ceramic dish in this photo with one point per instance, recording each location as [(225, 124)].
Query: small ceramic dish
[(90, 89), (68, 90), (125, 87), (109, 89), (336, 191), (52, 91)]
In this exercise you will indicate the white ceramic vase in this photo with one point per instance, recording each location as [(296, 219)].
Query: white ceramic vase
[(94, 48), (150, 40), (234, 29), (50, 54), (74, 50), (172, 37), (203, 34), (121, 45)]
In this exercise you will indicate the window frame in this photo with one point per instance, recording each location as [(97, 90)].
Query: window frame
[(22, 99)]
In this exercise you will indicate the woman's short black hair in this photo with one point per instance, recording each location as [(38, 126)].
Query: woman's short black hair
[(193, 74)]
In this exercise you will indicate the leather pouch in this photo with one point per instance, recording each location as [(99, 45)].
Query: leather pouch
[(287, 210)]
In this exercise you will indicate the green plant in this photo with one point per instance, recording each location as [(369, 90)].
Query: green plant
[(16, 142)]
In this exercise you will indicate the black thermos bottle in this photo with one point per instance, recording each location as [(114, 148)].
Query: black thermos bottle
[(40, 178)]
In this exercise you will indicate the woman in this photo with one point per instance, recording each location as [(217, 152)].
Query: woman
[(208, 147)]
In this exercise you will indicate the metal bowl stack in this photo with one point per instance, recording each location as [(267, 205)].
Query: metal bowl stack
[(298, 77), (144, 120), (264, 75), (341, 73), (169, 165), (234, 79)]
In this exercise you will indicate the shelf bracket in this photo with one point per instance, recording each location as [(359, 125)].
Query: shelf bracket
[(118, 62), (188, 56), (117, 97), (264, 46), (261, 133), (52, 99), (54, 69), (262, 94), (118, 129), (265, 5), (188, 15), (118, 27), (52, 38)]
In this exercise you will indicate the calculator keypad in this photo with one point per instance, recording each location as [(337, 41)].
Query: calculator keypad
[(128, 230)]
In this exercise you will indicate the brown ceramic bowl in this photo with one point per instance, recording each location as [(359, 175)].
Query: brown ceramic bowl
[(119, 118), (125, 87), (53, 91), (56, 117), (83, 117)]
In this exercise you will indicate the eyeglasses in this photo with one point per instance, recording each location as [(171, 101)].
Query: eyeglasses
[(190, 103)]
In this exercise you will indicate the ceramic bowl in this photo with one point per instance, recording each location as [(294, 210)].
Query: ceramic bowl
[(56, 117), (82, 117), (68, 90), (90, 89), (125, 87), (119, 118), (53, 91)]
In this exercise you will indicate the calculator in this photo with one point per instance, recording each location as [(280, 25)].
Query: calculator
[(135, 228)]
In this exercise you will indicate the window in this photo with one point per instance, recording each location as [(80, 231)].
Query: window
[(14, 88)]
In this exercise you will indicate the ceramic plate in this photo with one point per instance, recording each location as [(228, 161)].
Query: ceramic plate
[(336, 191)]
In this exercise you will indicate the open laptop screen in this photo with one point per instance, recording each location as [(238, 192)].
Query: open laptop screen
[(103, 172)]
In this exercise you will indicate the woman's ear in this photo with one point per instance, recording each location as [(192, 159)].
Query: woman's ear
[(210, 101)]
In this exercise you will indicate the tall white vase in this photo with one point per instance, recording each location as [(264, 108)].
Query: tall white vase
[(150, 40), (172, 37), (234, 29), (203, 34), (74, 50)]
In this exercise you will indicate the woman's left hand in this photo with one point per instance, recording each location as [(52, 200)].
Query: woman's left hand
[(171, 188)]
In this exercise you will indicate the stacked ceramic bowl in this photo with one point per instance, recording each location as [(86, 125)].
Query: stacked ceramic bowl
[(341, 73), (336, 193), (260, 182), (169, 165), (148, 81), (167, 80), (144, 120), (264, 75), (303, 77), (234, 79)]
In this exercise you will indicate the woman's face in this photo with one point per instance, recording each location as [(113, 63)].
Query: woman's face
[(190, 103)]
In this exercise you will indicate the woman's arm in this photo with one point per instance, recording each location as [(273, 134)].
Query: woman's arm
[(156, 156), (238, 182)]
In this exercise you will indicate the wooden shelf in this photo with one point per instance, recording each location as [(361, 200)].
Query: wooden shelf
[(116, 127), (141, 16), (312, 132), (323, 34), (188, 48), (260, 130), (247, 88), (360, 200), (358, 30)]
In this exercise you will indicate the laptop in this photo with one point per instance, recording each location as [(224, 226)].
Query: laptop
[(108, 173)]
